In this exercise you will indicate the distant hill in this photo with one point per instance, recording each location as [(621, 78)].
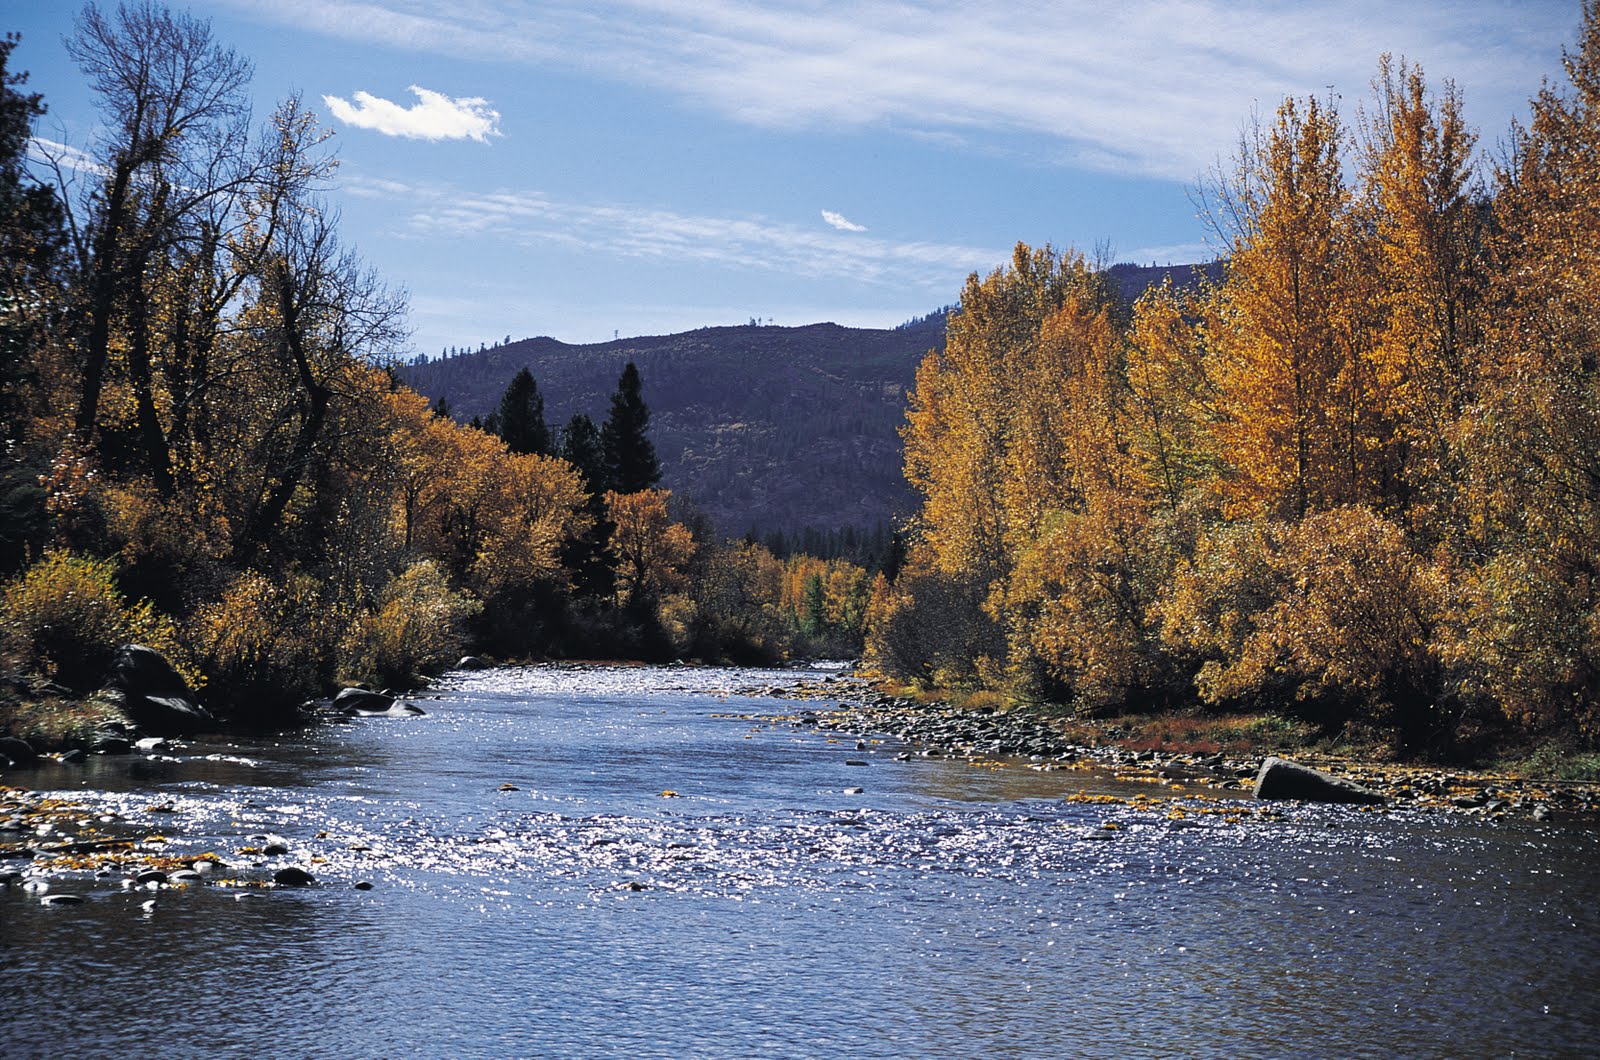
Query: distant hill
[(762, 427)]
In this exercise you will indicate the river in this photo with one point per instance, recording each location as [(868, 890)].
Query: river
[(626, 861)]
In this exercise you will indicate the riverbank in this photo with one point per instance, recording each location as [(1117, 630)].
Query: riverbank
[(1028, 738)]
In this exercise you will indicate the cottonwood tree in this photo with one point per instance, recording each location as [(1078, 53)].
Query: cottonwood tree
[(176, 118)]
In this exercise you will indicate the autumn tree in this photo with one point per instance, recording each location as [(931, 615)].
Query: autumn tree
[(1294, 396), (1420, 204), (648, 548), (175, 112), (1531, 640)]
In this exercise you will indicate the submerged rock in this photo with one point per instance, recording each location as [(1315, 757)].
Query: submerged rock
[(1280, 778)]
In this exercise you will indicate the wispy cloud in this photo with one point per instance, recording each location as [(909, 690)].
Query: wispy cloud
[(69, 159), (841, 222), (625, 230), (435, 116), (1156, 88)]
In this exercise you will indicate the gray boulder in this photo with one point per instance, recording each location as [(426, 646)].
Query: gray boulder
[(362, 700), (365, 704), (154, 696), (1280, 778)]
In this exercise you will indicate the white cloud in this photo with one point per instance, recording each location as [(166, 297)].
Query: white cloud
[(69, 159), (841, 222), (1157, 88), (434, 116), (631, 231)]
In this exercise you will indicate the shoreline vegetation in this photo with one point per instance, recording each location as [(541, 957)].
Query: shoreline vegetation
[(1342, 492), (66, 838)]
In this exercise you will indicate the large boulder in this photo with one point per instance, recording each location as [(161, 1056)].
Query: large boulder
[(1280, 778), (154, 696)]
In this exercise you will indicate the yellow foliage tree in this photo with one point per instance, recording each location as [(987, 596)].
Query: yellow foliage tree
[(648, 548)]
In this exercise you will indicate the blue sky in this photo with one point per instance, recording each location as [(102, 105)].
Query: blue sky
[(585, 169)]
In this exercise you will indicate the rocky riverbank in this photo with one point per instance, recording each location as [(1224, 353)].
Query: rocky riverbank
[(1023, 738)]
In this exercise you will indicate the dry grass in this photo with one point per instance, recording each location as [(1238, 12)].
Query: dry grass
[(50, 723)]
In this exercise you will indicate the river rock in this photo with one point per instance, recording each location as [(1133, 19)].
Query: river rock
[(293, 877), (363, 701), (106, 743), (1280, 778), (16, 749), (153, 694), (472, 662)]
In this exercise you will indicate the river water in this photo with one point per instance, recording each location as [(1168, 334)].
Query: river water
[(770, 908)]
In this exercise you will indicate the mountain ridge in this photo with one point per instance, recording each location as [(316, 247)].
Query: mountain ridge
[(762, 427)]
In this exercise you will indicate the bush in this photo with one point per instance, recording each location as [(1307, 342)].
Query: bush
[(265, 646), (415, 628), (65, 618), (934, 628), (1336, 613)]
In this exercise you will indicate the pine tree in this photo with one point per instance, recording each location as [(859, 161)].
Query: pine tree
[(630, 459), (519, 421), (581, 447)]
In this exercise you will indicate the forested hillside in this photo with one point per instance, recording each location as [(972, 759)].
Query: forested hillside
[(762, 427)]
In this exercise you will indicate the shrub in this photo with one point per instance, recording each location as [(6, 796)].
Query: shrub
[(264, 646), (415, 627), (1336, 613), (65, 618)]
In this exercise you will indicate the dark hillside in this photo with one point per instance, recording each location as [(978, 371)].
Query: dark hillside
[(762, 427)]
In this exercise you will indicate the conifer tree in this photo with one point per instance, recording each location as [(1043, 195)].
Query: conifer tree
[(630, 459), (581, 447), (519, 421)]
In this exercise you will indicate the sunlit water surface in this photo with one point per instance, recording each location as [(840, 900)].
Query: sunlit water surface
[(768, 909)]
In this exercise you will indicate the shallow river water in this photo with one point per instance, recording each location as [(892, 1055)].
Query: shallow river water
[(771, 909)]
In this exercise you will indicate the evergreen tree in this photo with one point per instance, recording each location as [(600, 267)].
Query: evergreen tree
[(630, 459), (585, 554), (581, 447), (30, 239), (519, 421), (441, 408)]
